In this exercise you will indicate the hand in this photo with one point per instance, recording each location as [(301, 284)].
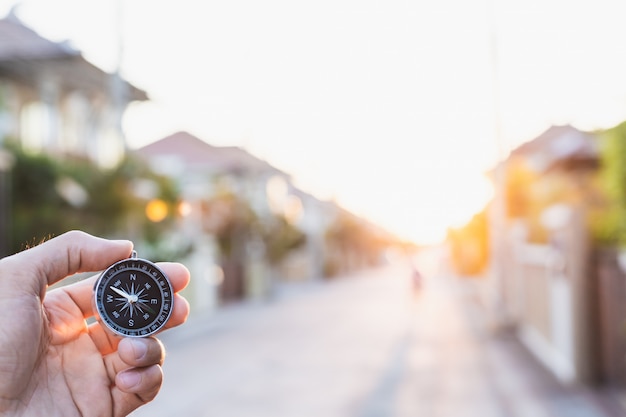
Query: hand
[(51, 362)]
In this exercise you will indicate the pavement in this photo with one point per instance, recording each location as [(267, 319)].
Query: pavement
[(361, 346)]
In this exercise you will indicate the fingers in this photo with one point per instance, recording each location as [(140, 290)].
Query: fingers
[(177, 273), (179, 313), (143, 382), (141, 352), (65, 255), (137, 372), (134, 388)]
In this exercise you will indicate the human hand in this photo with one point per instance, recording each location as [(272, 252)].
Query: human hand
[(52, 363)]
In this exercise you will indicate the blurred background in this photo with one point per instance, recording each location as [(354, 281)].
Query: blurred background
[(388, 208)]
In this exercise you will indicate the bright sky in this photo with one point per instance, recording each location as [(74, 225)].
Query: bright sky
[(388, 106)]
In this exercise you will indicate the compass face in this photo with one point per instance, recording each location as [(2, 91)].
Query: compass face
[(133, 298)]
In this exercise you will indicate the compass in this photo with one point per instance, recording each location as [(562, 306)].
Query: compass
[(133, 297)]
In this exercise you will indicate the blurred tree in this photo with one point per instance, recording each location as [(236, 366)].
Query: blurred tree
[(50, 196), (529, 193), (469, 246), (280, 238), (353, 244), (235, 225), (37, 209), (611, 226), (526, 196), (518, 181)]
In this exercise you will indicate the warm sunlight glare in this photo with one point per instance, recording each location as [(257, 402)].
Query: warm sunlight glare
[(470, 197), (414, 197), (425, 215)]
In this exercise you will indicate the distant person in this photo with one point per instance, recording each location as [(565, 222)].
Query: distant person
[(52, 363), (417, 280)]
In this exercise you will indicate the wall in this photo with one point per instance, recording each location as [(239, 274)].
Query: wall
[(611, 282), (551, 296)]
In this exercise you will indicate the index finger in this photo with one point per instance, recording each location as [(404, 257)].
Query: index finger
[(65, 255)]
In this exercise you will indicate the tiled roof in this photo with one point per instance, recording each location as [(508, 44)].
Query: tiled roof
[(18, 42), (559, 144), (23, 51), (196, 153), (183, 144)]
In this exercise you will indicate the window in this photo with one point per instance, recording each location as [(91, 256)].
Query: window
[(35, 126)]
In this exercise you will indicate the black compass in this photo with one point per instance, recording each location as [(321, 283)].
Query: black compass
[(133, 297)]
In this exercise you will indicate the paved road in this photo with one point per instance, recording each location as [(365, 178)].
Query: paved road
[(364, 346)]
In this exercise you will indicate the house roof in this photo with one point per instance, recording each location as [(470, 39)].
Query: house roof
[(195, 153), (559, 145), (18, 42), (23, 52)]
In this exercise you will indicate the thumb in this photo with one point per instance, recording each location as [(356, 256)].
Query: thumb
[(62, 256)]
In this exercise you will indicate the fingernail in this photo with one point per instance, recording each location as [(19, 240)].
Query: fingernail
[(122, 241), (129, 379), (139, 348)]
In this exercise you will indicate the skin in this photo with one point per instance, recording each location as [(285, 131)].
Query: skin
[(52, 363)]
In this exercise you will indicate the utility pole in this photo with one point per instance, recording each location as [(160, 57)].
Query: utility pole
[(118, 88), (7, 160), (6, 166), (497, 212)]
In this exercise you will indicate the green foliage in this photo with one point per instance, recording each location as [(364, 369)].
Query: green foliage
[(106, 203), (280, 238), (38, 212), (611, 227)]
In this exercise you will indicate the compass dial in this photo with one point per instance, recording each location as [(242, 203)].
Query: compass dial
[(133, 298)]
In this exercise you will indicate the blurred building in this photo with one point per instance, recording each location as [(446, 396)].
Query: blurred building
[(564, 301), (232, 198), (53, 100)]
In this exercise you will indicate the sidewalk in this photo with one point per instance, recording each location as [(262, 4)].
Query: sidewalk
[(542, 389), (545, 394)]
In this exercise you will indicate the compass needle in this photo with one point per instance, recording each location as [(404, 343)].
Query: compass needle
[(120, 292)]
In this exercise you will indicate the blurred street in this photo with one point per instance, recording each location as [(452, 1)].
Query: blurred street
[(362, 346), (281, 163)]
